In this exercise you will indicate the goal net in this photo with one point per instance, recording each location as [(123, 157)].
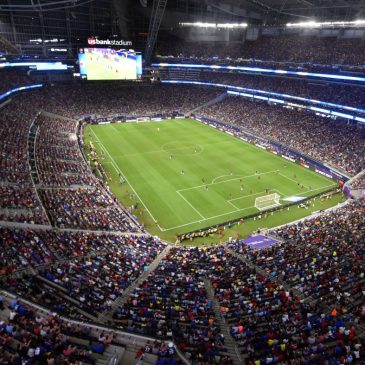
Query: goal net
[(267, 201)]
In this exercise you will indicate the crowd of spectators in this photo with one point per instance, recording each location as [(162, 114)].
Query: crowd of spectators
[(72, 197), (81, 274), (19, 199), (321, 258), (269, 51), (270, 323), (92, 209), (29, 336), (26, 247), (273, 325), (12, 78), (91, 269), (59, 161), (333, 142), (172, 302), (358, 183), (348, 95), (21, 204), (124, 99), (14, 127)]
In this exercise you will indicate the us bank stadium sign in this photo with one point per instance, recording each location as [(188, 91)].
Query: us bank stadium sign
[(108, 42)]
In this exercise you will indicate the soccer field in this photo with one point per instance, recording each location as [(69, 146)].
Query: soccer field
[(187, 175)]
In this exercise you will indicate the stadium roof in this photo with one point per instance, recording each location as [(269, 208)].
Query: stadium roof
[(325, 9), (278, 11)]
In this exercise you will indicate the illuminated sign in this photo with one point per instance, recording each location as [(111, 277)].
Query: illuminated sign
[(263, 70), (326, 112), (8, 93), (40, 66), (92, 41), (270, 93)]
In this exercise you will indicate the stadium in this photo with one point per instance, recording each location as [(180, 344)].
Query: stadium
[(182, 182)]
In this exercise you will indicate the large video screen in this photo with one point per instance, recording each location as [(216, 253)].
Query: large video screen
[(109, 64)]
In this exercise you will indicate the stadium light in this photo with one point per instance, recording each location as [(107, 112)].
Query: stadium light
[(263, 70), (215, 25), (326, 112), (314, 24), (6, 94)]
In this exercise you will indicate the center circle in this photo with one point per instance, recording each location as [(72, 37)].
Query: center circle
[(181, 148)]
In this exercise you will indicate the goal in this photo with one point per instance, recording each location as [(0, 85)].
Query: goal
[(267, 201)]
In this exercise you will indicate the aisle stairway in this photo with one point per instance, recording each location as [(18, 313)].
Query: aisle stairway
[(217, 99), (107, 316), (232, 350)]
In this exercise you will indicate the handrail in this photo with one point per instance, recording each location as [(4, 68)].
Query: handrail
[(33, 125)]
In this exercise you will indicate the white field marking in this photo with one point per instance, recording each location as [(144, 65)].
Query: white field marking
[(261, 192), (216, 178), (179, 148), (246, 196), (286, 177), (182, 196), (236, 178), (216, 216), (278, 191), (206, 219), (309, 191), (192, 145), (229, 202), (117, 169), (277, 156), (220, 215)]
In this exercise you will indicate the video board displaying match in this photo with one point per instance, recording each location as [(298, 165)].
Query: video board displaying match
[(109, 64)]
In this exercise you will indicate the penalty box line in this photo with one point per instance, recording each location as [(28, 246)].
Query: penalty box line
[(216, 216), (224, 181), (203, 220)]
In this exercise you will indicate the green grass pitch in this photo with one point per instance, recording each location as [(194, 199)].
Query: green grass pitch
[(187, 175)]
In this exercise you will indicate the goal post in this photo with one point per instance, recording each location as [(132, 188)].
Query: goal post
[(267, 201)]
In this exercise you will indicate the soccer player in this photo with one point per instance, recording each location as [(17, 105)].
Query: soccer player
[(206, 187), (182, 172)]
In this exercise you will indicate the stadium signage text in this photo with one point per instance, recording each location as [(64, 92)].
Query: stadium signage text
[(288, 158), (323, 173), (108, 42)]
